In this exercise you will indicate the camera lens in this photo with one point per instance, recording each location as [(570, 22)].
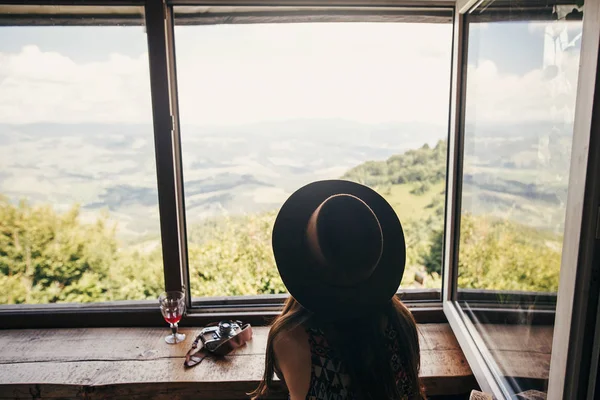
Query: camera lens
[(224, 328)]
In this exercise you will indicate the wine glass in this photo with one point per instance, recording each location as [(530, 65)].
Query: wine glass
[(172, 307)]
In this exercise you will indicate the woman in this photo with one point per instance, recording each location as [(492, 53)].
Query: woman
[(343, 333)]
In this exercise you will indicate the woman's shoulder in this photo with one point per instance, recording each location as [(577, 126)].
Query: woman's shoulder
[(293, 359), (293, 337)]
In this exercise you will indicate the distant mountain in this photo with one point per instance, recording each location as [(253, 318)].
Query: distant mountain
[(233, 169), (425, 164), (521, 177), (243, 169)]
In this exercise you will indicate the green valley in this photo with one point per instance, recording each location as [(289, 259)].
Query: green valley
[(48, 256)]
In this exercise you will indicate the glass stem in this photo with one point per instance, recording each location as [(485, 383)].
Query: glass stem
[(174, 331)]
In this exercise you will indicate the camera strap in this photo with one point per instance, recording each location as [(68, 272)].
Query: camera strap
[(197, 354)]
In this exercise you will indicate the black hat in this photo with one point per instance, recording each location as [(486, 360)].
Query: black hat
[(339, 248)]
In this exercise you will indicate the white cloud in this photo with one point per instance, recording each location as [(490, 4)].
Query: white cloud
[(38, 86), (544, 94), (388, 72), (371, 75)]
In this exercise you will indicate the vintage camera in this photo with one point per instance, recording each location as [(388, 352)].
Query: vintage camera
[(213, 336)]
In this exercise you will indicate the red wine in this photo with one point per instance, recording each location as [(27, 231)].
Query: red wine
[(173, 318)]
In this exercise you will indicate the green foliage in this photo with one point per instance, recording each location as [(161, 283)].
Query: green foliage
[(494, 254), (421, 165), (413, 183), (48, 257), (233, 256), (503, 255), (420, 189), (432, 259)]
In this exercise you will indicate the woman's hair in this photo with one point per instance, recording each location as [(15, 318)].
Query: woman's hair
[(362, 345)]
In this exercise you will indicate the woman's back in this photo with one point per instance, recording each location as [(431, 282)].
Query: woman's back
[(314, 369)]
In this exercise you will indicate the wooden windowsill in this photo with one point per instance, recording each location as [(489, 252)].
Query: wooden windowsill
[(133, 363)]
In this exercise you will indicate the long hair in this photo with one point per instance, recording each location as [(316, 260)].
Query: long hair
[(361, 344)]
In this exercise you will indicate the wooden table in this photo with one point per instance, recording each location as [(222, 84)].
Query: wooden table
[(135, 363)]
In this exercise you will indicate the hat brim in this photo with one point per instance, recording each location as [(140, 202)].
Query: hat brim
[(294, 265)]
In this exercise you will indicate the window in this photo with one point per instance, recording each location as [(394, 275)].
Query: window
[(521, 83), (268, 107), (148, 146), (78, 195)]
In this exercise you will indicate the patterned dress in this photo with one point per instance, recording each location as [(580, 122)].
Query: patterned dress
[(329, 379)]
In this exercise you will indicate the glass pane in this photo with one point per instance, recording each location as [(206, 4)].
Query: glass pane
[(78, 198), (520, 102), (267, 108)]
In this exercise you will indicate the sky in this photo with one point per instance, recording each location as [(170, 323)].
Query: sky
[(240, 74), (522, 72)]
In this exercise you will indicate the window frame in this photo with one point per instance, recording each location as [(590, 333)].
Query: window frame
[(425, 303), (259, 310), (577, 327)]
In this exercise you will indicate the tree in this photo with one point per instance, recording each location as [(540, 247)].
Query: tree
[(47, 257), (421, 165), (502, 255), (50, 257), (432, 260), (234, 257)]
